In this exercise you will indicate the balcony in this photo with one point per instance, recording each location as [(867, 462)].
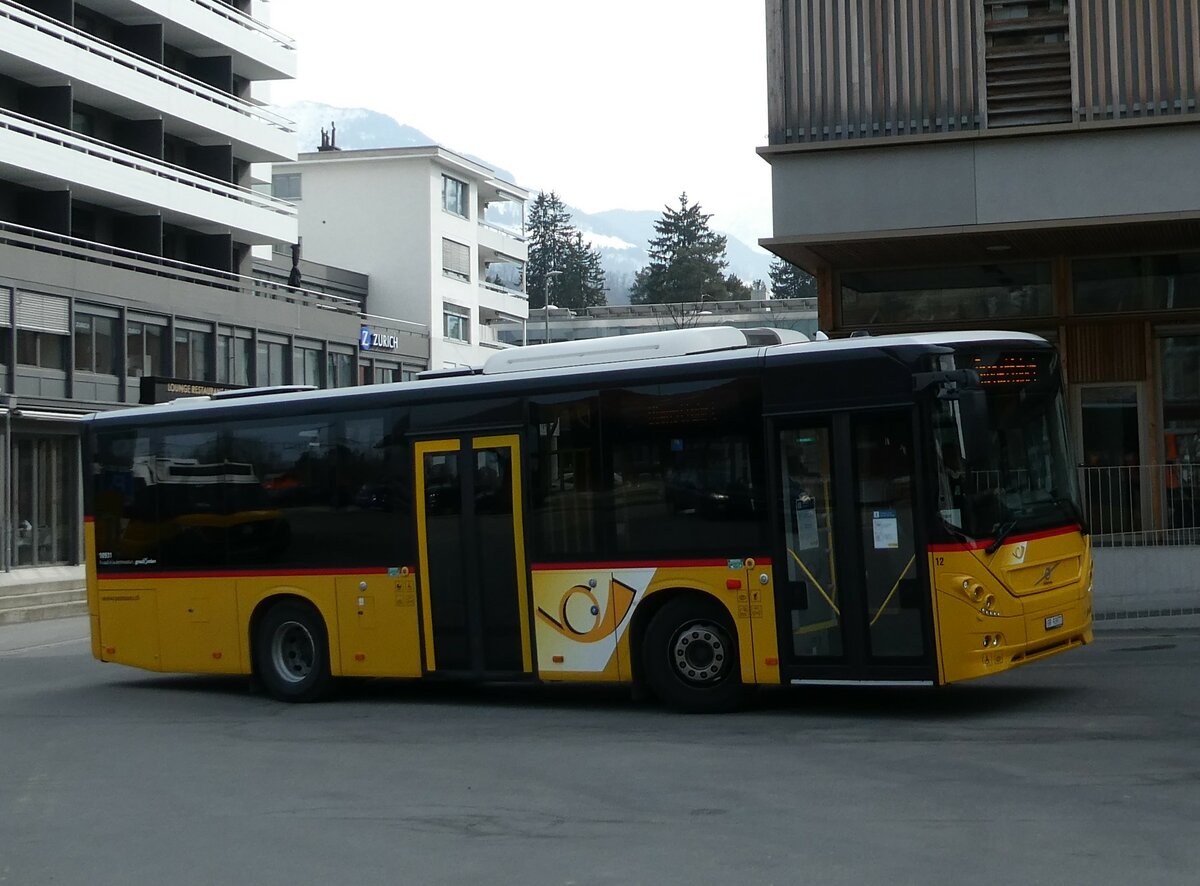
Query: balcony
[(209, 27), (498, 241), (40, 49), (112, 269), (489, 338), (502, 301), (38, 155)]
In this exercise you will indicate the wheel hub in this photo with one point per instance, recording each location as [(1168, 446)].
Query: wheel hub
[(293, 651), (700, 652)]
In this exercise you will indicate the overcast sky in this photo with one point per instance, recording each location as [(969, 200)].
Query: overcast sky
[(620, 104)]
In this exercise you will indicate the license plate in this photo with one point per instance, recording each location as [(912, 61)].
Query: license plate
[(1054, 621)]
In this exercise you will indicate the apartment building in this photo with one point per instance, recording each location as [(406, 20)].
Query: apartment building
[(1022, 165), (441, 236), (130, 134)]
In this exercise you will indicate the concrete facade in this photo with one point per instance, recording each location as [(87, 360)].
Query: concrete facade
[(130, 215), (398, 232)]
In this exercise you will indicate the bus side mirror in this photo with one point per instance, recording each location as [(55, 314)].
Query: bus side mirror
[(976, 425)]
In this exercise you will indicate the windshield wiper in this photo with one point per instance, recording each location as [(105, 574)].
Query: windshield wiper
[(1002, 534)]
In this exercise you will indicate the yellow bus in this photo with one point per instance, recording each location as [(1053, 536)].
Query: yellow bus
[(693, 511)]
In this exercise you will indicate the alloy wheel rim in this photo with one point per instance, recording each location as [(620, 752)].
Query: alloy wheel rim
[(293, 651), (700, 653)]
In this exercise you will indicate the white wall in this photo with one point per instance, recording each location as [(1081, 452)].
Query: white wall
[(1150, 581), (372, 216), (383, 216), (443, 351)]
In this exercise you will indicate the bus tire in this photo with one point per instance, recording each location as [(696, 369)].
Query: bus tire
[(690, 657), (291, 652)]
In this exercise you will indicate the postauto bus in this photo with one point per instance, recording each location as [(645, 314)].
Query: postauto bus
[(693, 511)]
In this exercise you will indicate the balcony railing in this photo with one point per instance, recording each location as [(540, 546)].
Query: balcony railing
[(86, 145), (513, 232), (126, 259), (98, 48), (242, 20)]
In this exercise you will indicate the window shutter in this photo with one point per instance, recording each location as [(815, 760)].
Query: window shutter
[(5, 307), (456, 258), (43, 313)]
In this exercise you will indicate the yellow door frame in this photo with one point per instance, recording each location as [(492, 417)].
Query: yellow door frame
[(420, 450), (512, 442)]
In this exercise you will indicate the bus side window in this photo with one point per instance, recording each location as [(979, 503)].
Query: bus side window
[(564, 481), (685, 465)]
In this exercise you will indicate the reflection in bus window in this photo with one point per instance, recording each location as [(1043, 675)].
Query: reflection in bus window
[(564, 480), (684, 467)]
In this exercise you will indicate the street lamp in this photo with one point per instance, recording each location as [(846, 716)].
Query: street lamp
[(550, 275)]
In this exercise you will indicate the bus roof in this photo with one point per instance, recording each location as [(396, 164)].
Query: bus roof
[(718, 346)]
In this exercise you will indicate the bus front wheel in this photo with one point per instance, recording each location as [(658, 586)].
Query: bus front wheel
[(291, 652), (691, 657)]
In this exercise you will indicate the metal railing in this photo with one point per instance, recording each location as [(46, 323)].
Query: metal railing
[(242, 20), (116, 55), (160, 169), (1142, 505), (126, 259)]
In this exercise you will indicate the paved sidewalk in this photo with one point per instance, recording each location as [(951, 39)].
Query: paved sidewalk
[(34, 636)]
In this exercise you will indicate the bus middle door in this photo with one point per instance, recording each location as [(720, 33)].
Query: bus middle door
[(474, 596)]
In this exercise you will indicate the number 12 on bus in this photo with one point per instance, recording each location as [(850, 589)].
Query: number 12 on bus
[(694, 511)]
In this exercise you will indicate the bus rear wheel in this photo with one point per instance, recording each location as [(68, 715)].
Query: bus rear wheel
[(291, 652), (691, 657)]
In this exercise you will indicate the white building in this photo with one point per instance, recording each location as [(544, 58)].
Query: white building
[(441, 237), (128, 217)]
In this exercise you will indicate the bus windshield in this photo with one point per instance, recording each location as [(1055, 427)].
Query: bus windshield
[(1024, 480)]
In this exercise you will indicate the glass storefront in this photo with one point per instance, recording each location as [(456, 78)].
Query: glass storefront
[(941, 295), (45, 506), (1137, 283)]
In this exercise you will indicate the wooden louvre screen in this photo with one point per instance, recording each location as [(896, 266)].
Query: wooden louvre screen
[(1027, 62)]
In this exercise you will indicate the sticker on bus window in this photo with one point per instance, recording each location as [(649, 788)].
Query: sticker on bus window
[(808, 537), (886, 529)]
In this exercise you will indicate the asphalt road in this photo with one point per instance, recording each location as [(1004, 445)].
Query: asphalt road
[(1085, 769)]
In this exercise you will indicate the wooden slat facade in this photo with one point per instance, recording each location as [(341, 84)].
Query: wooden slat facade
[(1109, 352), (859, 69), (1136, 58), (848, 69)]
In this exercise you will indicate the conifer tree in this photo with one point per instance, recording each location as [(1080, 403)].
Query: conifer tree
[(788, 281), (687, 261), (556, 245)]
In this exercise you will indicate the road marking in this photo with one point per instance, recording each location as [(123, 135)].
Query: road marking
[(21, 649)]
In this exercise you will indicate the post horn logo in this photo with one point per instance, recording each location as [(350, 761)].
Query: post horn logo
[(580, 617)]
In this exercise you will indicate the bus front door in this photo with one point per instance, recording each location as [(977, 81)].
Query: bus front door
[(474, 601), (852, 595)]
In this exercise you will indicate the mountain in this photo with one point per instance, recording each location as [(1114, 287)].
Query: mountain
[(621, 235), (357, 128)]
